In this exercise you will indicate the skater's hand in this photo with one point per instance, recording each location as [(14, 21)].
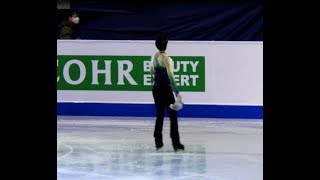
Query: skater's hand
[(179, 96)]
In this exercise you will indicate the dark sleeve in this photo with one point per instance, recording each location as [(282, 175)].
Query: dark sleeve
[(65, 33)]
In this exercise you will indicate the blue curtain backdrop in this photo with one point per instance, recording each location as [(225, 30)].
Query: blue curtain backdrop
[(217, 20)]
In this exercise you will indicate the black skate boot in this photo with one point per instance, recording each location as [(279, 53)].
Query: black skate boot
[(159, 145), (178, 147)]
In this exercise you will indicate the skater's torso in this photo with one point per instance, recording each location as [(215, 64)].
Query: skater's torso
[(162, 69)]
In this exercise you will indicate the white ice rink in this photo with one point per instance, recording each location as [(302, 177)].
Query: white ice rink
[(100, 148)]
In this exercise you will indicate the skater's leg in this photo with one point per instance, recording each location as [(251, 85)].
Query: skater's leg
[(160, 112), (174, 129)]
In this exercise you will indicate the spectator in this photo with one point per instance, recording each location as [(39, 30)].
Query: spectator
[(69, 26)]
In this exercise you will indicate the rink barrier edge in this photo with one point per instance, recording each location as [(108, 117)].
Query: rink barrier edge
[(148, 110)]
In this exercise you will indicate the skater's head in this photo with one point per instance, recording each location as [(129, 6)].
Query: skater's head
[(162, 42)]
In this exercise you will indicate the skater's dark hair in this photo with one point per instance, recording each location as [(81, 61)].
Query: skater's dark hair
[(161, 42)]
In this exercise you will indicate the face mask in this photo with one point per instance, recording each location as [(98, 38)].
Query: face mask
[(76, 20)]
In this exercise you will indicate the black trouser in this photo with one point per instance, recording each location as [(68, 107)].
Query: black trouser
[(163, 97)]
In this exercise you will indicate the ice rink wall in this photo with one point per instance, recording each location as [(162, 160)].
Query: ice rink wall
[(217, 79)]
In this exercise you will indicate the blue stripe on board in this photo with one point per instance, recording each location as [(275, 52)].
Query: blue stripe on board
[(148, 110)]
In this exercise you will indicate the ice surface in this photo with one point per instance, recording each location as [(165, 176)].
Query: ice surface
[(92, 148)]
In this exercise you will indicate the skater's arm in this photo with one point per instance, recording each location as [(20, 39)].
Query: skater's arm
[(169, 67), (152, 69)]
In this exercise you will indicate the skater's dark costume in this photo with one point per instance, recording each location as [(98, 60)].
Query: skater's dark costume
[(163, 88)]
